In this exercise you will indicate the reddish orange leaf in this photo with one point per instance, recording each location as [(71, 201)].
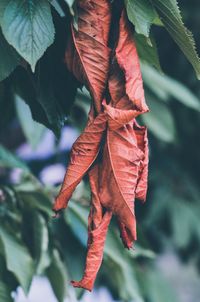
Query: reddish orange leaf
[(83, 154), (97, 229), (142, 140), (127, 58), (116, 86), (87, 55)]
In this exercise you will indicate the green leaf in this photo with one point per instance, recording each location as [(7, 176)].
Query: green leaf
[(184, 220), (169, 13), (50, 92), (29, 183), (9, 58), (113, 249), (160, 121), (123, 268), (34, 195), (141, 252), (57, 8), (147, 50), (32, 130), (18, 259), (36, 200), (41, 243), (70, 4), (5, 294), (55, 85), (3, 4), (82, 106), (23, 85), (76, 217), (29, 28), (157, 287), (49, 102), (8, 160), (165, 88), (57, 276), (141, 14)]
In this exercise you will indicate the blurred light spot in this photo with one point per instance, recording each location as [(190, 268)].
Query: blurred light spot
[(46, 147), (15, 175), (41, 291), (53, 174)]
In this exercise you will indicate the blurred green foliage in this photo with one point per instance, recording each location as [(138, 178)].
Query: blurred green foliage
[(31, 243)]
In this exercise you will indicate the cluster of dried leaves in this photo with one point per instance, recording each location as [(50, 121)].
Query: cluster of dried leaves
[(113, 149)]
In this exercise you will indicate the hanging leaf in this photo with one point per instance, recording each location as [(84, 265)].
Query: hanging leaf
[(28, 27), (23, 85), (46, 92), (124, 154), (55, 86), (57, 276), (147, 50), (52, 87), (9, 58), (84, 152), (169, 13), (49, 92), (18, 259), (98, 223), (141, 14), (125, 52), (89, 61), (32, 130)]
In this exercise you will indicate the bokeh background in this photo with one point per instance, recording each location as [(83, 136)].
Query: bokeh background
[(39, 255)]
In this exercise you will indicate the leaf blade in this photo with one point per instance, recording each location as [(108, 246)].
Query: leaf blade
[(8, 160), (147, 52), (162, 126), (92, 55), (32, 130), (29, 28), (18, 260), (141, 14), (169, 13), (57, 276), (9, 58), (165, 87), (5, 295)]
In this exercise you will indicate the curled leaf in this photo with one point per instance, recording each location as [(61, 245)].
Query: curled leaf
[(97, 229), (113, 148), (127, 58), (87, 54), (83, 154)]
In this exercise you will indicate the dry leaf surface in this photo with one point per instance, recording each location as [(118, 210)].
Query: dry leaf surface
[(113, 148)]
